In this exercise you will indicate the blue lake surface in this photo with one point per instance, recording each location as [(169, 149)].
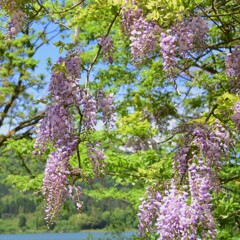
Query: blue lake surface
[(68, 236)]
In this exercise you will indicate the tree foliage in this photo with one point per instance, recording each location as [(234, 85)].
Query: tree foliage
[(173, 67)]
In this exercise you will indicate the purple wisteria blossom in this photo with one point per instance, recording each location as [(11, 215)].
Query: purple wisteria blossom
[(236, 116), (57, 127), (89, 110), (106, 105), (183, 38), (232, 62), (55, 182), (184, 211), (16, 23), (191, 34), (64, 82), (97, 157), (106, 43), (148, 211), (168, 50), (142, 34)]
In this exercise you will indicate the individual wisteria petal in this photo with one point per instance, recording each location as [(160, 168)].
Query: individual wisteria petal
[(107, 45)]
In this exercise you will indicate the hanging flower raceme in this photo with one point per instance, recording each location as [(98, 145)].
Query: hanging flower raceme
[(64, 81), (55, 182), (106, 43), (142, 34), (182, 39), (232, 62), (184, 211), (89, 110), (97, 157), (148, 211), (17, 18), (16, 23), (191, 34), (236, 116), (168, 50), (57, 127), (106, 105)]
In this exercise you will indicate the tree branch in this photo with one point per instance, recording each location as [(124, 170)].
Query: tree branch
[(20, 126), (99, 49), (12, 99)]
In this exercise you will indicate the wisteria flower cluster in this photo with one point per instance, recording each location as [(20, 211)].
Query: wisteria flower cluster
[(58, 127), (17, 18), (236, 116), (106, 105), (97, 157), (182, 38), (191, 34), (64, 82), (184, 211), (232, 62), (169, 51), (55, 182), (142, 34), (16, 23), (106, 43), (148, 211)]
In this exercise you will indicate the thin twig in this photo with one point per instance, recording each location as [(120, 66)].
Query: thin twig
[(20, 126), (69, 9), (46, 10), (211, 113), (99, 50)]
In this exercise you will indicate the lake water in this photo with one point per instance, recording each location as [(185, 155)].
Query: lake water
[(68, 236)]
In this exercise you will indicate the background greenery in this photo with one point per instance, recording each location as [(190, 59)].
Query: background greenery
[(151, 111)]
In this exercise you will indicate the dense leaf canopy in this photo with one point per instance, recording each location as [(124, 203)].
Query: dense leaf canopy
[(144, 93)]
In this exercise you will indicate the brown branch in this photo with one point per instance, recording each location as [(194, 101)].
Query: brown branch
[(211, 113), (223, 14), (24, 165), (52, 19), (12, 99), (37, 12), (224, 181), (99, 49), (20, 126), (69, 9)]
